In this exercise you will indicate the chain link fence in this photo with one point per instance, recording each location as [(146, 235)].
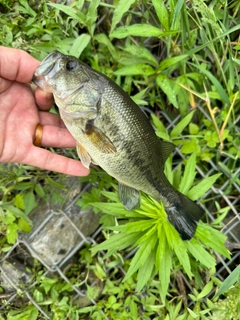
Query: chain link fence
[(59, 232)]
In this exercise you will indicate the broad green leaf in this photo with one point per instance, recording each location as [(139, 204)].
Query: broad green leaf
[(177, 311), (212, 238), (183, 257), (133, 306), (161, 245), (121, 8), (206, 290), (103, 39), (162, 135), (193, 314), (162, 13), (149, 233), (7, 34), (167, 63), (159, 125), (222, 214), (141, 52), (142, 254), (79, 45), (100, 273), (19, 202), (54, 184), (8, 218), (24, 186), (71, 12), (145, 271), (202, 187), (189, 174), (17, 213), (135, 226), (25, 5), (177, 176), (168, 170), (24, 225), (229, 281), (85, 310), (181, 125), (29, 202), (164, 265), (116, 209), (39, 190), (138, 97), (12, 233), (190, 146), (139, 30), (200, 254), (168, 86), (237, 61), (171, 234), (117, 242), (113, 196), (151, 208), (193, 129), (29, 313), (176, 244), (38, 295), (92, 15), (135, 69), (177, 9)]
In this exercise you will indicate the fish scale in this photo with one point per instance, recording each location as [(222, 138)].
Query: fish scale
[(113, 132)]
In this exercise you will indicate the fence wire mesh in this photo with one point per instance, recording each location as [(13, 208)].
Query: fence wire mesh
[(56, 254)]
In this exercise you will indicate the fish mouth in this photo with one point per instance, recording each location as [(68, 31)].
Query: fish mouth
[(47, 69)]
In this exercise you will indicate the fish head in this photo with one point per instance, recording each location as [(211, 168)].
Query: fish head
[(59, 72), (65, 76)]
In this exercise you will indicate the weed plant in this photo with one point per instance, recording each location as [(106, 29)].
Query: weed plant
[(174, 56)]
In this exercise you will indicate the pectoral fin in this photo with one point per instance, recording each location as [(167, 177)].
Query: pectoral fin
[(99, 139), (129, 196), (83, 155)]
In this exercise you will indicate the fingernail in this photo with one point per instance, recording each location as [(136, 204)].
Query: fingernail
[(49, 96)]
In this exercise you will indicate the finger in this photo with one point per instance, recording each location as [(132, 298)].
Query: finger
[(44, 100), (56, 137), (55, 134), (4, 84), (52, 119), (50, 161), (17, 65)]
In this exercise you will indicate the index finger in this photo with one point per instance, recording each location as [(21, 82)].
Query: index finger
[(47, 160), (17, 65)]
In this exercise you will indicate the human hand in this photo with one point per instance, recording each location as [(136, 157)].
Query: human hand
[(22, 108)]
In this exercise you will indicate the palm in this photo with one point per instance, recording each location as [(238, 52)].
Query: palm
[(17, 123)]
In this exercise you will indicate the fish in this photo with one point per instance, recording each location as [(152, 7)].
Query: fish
[(111, 131)]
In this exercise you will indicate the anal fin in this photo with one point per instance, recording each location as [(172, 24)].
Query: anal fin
[(129, 196)]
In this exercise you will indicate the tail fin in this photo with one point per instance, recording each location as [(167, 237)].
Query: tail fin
[(184, 216)]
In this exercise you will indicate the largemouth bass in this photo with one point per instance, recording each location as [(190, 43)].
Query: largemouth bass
[(112, 131)]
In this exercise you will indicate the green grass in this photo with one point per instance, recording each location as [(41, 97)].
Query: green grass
[(175, 56)]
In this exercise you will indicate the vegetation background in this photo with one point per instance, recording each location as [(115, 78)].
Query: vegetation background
[(179, 60)]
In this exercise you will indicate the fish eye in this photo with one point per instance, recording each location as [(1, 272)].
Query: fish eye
[(71, 65)]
